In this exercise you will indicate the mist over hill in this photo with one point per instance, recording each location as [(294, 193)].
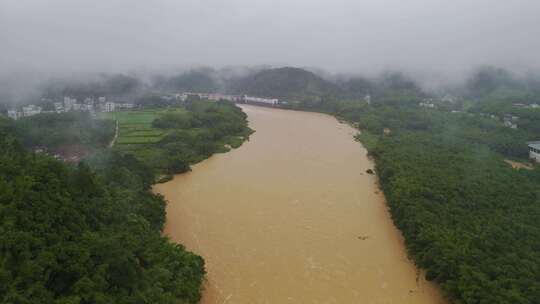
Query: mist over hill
[(287, 83)]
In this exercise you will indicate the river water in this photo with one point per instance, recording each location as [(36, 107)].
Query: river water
[(292, 217)]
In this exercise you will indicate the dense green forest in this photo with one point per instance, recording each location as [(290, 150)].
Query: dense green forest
[(91, 233), (53, 130), (468, 218), (291, 84), (68, 235), (189, 137), (196, 80)]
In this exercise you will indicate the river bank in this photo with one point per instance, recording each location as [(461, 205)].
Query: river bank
[(291, 216)]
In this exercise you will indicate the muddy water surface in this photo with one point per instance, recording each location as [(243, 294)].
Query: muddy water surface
[(291, 217)]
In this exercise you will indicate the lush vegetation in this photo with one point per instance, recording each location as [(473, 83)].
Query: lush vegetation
[(197, 80), (297, 86), (469, 219), (92, 233), (135, 127), (68, 235), (54, 130), (169, 140)]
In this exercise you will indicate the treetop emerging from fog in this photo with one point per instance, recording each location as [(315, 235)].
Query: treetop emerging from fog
[(340, 35)]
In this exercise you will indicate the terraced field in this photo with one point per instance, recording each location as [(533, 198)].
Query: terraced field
[(135, 127)]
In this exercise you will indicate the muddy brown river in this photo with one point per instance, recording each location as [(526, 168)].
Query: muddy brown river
[(291, 217)]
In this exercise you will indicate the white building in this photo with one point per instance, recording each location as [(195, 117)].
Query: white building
[(367, 99), (102, 99), (210, 96), (88, 101), (68, 103), (110, 106), (181, 97), (427, 105), (58, 107), (125, 105), (217, 97), (31, 110), (534, 151), (260, 100), (449, 98), (510, 124), (13, 114)]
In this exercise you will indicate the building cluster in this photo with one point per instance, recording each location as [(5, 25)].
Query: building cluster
[(526, 106), (534, 150), (72, 105), (433, 102), (233, 98), (427, 104), (260, 100), (367, 99), (210, 96), (510, 120)]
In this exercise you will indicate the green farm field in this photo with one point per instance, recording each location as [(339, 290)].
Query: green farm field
[(135, 127), (169, 140)]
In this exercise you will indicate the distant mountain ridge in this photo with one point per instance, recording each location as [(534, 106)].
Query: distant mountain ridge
[(287, 83)]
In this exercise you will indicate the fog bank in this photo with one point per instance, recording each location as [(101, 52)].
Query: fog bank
[(424, 36)]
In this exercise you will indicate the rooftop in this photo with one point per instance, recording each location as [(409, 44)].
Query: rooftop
[(534, 144)]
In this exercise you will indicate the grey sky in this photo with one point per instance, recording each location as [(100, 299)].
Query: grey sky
[(338, 35)]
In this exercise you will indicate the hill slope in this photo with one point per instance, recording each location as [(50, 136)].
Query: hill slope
[(287, 83)]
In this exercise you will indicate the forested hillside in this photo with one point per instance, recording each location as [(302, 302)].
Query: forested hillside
[(112, 85), (288, 83), (91, 233), (197, 80), (469, 219), (70, 236), (54, 130), (169, 140)]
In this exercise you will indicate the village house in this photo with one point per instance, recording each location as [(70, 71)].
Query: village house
[(534, 151), (509, 121), (31, 110), (125, 105), (427, 105), (449, 98), (13, 114), (58, 107), (68, 103), (210, 96), (260, 100), (109, 107)]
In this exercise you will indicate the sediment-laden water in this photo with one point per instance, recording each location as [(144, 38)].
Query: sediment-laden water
[(292, 217)]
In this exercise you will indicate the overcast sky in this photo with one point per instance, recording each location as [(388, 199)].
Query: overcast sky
[(337, 35)]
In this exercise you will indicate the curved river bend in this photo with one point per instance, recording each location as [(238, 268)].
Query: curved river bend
[(291, 217)]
